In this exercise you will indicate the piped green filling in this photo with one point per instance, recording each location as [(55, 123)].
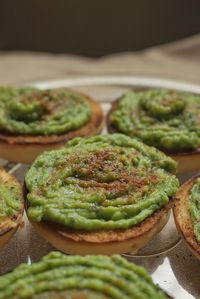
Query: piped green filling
[(106, 277), (168, 120), (26, 111), (10, 198), (71, 294), (102, 182), (194, 207)]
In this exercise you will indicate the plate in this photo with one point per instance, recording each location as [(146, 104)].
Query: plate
[(166, 257)]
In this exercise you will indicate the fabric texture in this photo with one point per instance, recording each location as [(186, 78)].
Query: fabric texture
[(177, 61)]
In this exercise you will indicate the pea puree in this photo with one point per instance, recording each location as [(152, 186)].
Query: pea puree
[(102, 182), (10, 196), (71, 295), (92, 277), (168, 120), (26, 111), (194, 207)]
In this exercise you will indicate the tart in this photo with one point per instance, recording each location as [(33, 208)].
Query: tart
[(76, 277), (104, 194), (11, 206), (187, 214), (166, 119), (32, 120)]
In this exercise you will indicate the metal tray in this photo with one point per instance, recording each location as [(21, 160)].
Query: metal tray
[(166, 257)]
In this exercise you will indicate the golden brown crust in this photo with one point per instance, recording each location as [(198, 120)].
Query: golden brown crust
[(187, 161), (182, 216), (103, 242), (25, 149), (69, 246), (9, 225), (115, 235)]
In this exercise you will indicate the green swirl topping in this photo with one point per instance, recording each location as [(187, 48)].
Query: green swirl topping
[(10, 196), (168, 120), (102, 182), (90, 277), (33, 112), (194, 207)]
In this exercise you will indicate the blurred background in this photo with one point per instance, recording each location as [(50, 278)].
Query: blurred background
[(95, 28), (51, 39)]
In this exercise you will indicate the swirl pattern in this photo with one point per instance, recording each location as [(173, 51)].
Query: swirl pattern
[(100, 183), (70, 277), (168, 120), (28, 111)]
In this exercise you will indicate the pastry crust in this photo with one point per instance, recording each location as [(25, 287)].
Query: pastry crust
[(187, 161), (104, 242), (183, 219), (24, 148), (94, 173), (9, 225)]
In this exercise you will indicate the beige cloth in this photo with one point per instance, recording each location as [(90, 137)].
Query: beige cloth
[(179, 60)]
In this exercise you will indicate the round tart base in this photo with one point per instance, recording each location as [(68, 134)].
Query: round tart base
[(25, 148), (9, 225), (5, 237), (182, 217), (104, 242), (187, 162)]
